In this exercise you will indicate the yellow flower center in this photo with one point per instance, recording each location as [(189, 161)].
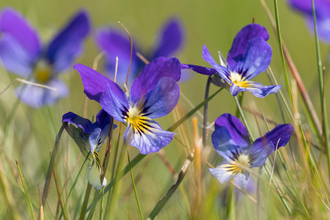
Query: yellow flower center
[(43, 72), (137, 120), (239, 165), (238, 80)]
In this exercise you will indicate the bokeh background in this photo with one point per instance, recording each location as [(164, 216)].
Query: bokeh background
[(29, 135)]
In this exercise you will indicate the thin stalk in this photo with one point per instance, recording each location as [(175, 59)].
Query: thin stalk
[(323, 103), (135, 192), (26, 193), (207, 91), (244, 119), (277, 17), (83, 208), (230, 210)]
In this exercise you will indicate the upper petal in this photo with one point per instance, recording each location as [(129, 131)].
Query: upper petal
[(94, 82), (114, 101), (224, 144), (78, 121), (115, 43), (67, 45), (170, 38), (151, 140), (162, 99), (151, 74), (37, 97), (102, 119), (256, 59), (14, 57), (240, 43), (223, 71), (265, 145), (14, 24), (237, 131)]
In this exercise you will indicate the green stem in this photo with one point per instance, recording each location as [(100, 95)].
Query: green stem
[(207, 91), (244, 119), (83, 208)]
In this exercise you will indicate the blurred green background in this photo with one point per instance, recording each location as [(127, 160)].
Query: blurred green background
[(31, 133)]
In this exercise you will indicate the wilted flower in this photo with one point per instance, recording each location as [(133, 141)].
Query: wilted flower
[(89, 137), (249, 55), (116, 43), (231, 140), (154, 93), (322, 12), (22, 52)]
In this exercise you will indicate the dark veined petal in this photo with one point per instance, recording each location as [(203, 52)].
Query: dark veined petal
[(67, 45), (115, 43), (14, 57), (94, 82), (265, 145), (223, 71), (17, 27), (37, 97), (114, 101), (151, 74), (255, 88), (170, 38), (162, 99), (149, 139), (225, 145), (235, 127), (93, 177), (256, 59), (226, 171), (80, 122), (240, 44), (199, 69)]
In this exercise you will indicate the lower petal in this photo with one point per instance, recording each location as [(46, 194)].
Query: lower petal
[(93, 177), (226, 171), (256, 88), (148, 140), (37, 97)]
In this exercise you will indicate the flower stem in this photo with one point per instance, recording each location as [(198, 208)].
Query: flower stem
[(244, 119), (83, 208), (207, 91)]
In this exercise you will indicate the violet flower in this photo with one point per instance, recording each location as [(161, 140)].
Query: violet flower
[(249, 55), (231, 140), (22, 52), (154, 93), (89, 137), (114, 42), (322, 12)]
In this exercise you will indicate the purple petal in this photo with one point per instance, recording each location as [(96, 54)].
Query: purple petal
[(255, 88), (115, 102), (38, 97), (78, 121), (14, 57), (256, 59), (17, 27), (199, 69), (67, 45), (224, 144), (223, 71), (323, 29), (235, 127), (162, 99), (223, 173), (115, 43), (241, 40), (265, 145), (149, 141), (151, 74), (171, 38), (94, 82), (102, 119)]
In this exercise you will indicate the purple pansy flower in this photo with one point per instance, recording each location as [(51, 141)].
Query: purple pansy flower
[(249, 55), (154, 93), (89, 137), (231, 140), (22, 52), (114, 42), (322, 12)]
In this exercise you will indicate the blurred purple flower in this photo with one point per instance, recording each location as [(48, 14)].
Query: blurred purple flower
[(231, 140), (154, 93), (22, 53), (249, 55), (322, 12), (115, 42), (89, 137)]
